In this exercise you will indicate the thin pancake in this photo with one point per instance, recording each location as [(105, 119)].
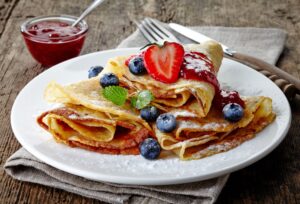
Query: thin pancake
[(171, 95), (89, 121), (78, 126), (195, 138), (88, 93)]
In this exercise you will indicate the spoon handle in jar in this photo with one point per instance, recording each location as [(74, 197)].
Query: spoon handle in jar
[(87, 11)]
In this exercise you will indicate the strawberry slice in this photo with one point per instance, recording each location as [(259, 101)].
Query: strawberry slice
[(163, 62)]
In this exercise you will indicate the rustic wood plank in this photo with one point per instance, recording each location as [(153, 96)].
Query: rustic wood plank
[(6, 8), (274, 179)]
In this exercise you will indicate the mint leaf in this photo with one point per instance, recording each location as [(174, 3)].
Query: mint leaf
[(143, 99), (115, 94), (133, 101)]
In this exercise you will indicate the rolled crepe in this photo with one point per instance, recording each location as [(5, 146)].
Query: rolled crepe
[(195, 137), (89, 121), (168, 96)]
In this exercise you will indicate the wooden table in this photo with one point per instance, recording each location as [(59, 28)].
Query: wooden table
[(274, 179)]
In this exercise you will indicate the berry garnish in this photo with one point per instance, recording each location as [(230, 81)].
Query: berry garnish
[(109, 79), (133, 56), (115, 94), (150, 149), (163, 62), (166, 122), (233, 112), (150, 113), (136, 66), (94, 71), (224, 97), (130, 58)]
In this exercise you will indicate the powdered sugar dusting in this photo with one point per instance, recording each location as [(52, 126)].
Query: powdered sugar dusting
[(213, 126), (73, 116), (94, 94), (97, 102), (80, 116), (188, 124), (183, 113), (197, 63)]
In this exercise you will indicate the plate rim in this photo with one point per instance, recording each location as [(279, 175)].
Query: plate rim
[(136, 180)]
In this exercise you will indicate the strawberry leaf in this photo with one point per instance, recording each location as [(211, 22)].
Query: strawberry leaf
[(115, 94), (149, 44)]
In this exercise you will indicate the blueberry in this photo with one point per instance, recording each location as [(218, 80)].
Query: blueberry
[(109, 79), (150, 149), (233, 112), (94, 71), (166, 122), (150, 113), (136, 66)]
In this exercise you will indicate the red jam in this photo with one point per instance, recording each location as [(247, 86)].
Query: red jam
[(129, 58), (224, 97), (197, 66), (51, 42), (133, 56)]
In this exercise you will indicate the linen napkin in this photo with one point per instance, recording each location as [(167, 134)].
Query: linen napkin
[(266, 43)]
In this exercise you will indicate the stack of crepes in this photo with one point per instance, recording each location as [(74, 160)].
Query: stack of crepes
[(87, 120)]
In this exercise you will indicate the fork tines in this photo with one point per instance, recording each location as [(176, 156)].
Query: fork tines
[(154, 31)]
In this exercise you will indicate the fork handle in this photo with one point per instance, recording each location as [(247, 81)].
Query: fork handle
[(261, 66)]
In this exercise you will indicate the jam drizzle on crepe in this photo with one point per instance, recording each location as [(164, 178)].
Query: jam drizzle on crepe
[(196, 66)]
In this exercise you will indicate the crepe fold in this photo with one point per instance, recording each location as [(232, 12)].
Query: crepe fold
[(195, 137), (89, 121), (168, 96)]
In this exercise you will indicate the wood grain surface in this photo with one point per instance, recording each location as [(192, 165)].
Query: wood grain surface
[(274, 179)]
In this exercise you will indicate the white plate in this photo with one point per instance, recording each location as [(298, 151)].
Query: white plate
[(134, 169)]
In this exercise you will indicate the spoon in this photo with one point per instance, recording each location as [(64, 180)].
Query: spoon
[(87, 11)]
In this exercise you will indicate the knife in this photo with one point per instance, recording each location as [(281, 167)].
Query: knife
[(256, 63)]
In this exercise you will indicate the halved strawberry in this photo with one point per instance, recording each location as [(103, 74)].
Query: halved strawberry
[(163, 62)]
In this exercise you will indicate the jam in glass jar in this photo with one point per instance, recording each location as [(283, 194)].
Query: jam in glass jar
[(52, 39)]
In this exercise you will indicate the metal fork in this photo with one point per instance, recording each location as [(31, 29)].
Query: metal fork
[(154, 32)]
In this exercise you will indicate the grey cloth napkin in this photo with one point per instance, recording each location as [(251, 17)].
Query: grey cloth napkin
[(266, 44)]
